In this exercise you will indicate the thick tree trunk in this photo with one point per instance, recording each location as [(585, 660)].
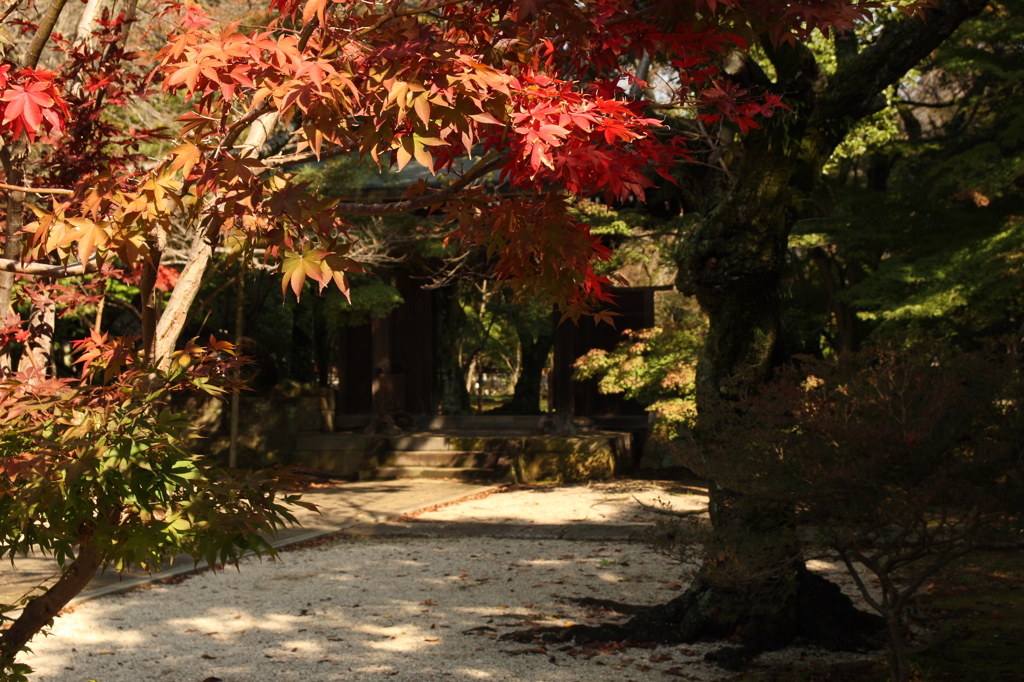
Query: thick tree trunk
[(753, 586), (534, 352)]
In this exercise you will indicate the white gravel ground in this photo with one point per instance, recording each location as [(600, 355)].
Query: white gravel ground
[(407, 609)]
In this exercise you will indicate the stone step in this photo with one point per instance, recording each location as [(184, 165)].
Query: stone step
[(433, 443), (461, 473), (482, 422), (437, 458)]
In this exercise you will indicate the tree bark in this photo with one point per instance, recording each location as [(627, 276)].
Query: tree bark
[(172, 319), (733, 264), (534, 352), (451, 323), (753, 585), (39, 612), (174, 315), (38, 355), (15, 161)]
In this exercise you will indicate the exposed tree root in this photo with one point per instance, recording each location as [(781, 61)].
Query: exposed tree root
[(817, 614)]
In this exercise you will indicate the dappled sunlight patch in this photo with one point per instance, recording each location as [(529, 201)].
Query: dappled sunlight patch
[(617, 502), (406, 612)]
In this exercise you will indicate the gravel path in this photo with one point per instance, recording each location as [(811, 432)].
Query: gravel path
[(409, 609)]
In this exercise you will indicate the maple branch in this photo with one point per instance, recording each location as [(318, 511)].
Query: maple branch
[(407, 13), (47, 270), (631, 16), (307, 33), (35, 190), (481, 168), (302, 157), (43, 33), (238, 126), (10, 8)]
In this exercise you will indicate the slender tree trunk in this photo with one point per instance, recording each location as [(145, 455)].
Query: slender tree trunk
[(899, 660), (236, 398), (451, 323), (41, 611), (175, 313), (148, 302), (15, 162), (38, 355)]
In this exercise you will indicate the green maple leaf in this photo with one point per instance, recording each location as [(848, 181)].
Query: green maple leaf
[(296, 267)]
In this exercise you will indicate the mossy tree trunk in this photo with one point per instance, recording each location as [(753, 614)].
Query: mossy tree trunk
[(753, 586), (753, 577), (535, 341)]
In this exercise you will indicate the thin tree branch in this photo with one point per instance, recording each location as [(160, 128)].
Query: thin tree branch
[(407, 13), (47, 270), (43, 33), (303, 157), (10, 8), (930, 105), (35, 190), (480, 169)]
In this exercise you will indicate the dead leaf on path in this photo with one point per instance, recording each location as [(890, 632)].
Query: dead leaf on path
[(335, 639), (213, 679), (676, 671), (673, 586), (208, 656), (429, 602), (429, 639), (211, 633), (660, 658)]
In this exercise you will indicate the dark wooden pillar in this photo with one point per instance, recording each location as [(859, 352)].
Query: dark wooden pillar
[(561, 371), (355, 370)]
